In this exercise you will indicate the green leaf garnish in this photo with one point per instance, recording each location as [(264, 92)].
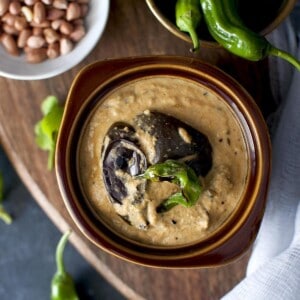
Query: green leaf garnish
[(48, 103), (46, 129)]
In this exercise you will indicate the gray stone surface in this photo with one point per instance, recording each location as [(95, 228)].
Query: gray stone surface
[(27, 248)]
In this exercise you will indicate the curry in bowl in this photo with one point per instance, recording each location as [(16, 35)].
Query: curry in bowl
[(163, 161), (150, 122)]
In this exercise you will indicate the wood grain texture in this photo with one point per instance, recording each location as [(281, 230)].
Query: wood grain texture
[(131, 31)]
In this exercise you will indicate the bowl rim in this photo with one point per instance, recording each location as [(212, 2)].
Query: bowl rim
[(171, 27), (210, 252)]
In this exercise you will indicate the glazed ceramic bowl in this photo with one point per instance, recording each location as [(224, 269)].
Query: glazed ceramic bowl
[(258, 15), (17, 67), (238, 231)]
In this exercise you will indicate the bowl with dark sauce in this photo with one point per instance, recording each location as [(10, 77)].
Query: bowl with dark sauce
[(163, 161)]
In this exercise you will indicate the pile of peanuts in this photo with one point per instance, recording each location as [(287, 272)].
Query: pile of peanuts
[(42, 29)]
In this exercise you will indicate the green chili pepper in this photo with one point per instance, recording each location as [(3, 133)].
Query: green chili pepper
[(62, 285), (180, 174), (227, 28), (188, 16)]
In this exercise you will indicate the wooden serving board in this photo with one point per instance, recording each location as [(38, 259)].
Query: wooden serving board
[(131, 31)]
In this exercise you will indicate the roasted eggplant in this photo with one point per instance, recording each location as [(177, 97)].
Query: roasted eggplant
[(123, 158), (176, 140)]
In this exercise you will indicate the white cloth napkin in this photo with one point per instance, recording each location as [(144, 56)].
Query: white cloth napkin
[(274, 267)]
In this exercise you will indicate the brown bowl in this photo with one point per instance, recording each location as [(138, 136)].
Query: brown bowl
[(258, 15), (238, 231)]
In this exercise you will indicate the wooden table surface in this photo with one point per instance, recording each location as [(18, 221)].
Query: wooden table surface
[(131, 31)]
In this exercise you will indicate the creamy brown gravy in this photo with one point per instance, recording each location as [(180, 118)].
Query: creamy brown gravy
[(195, 105)]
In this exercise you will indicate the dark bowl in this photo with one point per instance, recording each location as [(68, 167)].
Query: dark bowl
[(259, 15), (228, 241)]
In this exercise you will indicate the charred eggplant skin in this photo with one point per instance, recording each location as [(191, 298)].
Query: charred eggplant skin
[(120, 131), (121, 158), (195, 150)]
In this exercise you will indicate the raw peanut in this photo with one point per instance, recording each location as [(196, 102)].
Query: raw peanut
[(47, 2), (37, 31), (43, 24), (84, 10), (66, 46), (50, 35), (30, 2), (10, 29), (14, 7), (60, 4), (9, 19), (55, 14), (23, 37), (4, 4), (20, 23), (27, 12), (39, 12), (9, 44), (78, 33), (27, 49), (35, 42), (73, 11), (78, 22), (66, 27), (41, 28), (56, 24), (53, 50), (36, 55)]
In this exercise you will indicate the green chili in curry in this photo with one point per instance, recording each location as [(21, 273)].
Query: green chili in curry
[(180, 174)]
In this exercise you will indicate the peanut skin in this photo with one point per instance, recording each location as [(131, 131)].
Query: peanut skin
[(9, 44)]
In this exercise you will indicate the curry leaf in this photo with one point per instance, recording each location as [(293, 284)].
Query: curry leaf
[(48, 103), (47, 128)]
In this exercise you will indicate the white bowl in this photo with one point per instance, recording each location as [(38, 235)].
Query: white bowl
[(16, 67)]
